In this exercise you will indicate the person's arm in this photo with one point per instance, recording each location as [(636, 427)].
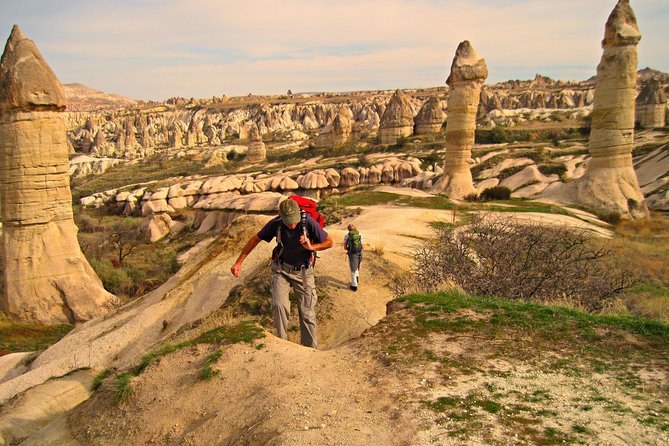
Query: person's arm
[(326, 244), (250, 246)]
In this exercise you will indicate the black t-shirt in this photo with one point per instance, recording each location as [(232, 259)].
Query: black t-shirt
[(293, 252)]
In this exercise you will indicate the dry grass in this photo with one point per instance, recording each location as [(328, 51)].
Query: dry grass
[(644, 247)]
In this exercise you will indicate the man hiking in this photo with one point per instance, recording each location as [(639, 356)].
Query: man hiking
[(353, 248), (299, 236)]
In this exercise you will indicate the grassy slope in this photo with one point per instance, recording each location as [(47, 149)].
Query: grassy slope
[(501, 370)]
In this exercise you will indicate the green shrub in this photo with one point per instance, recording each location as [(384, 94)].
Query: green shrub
[(552, 169), (496, 193), (472, 198), (115, 280)]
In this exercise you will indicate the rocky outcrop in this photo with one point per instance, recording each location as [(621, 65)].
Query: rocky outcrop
[(430, 117), (651, 105), (397, 119), (610, 185), (257, 151), (339, 131), (468, 72), (47, 278)]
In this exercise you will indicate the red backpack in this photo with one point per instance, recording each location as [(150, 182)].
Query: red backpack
[(309, 206)]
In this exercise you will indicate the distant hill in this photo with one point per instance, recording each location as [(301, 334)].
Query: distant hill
[(83, 98), (645, 74)]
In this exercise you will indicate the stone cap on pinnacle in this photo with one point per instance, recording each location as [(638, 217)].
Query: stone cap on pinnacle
[(27, 83), (467, 65), (621, 27)]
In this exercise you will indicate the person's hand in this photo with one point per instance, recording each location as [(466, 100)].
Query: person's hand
[(236, 269), (306, 243)]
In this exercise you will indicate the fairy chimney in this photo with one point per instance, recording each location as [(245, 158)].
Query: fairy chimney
[(610, 185), (651, 105), (430, 117), (257, 151), (339, 131), (397, 119), (468, 72), (47, 278)]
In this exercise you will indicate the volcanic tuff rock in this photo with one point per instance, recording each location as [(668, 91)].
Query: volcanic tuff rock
[(430, 117), (610, 184), (257, 151), (339, 131), (468, 72), (651, 105), (397, 120), (47, 278)]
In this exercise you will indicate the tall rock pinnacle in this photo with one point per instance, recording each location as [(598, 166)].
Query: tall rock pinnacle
[(47, 278), (610, 185), (468, 73)]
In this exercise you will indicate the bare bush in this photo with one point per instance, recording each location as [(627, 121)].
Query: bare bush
[(496, 256)]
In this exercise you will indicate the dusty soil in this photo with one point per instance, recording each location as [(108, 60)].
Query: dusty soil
[(373, 383)]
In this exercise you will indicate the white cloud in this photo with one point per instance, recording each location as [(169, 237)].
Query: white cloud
[(160, 48)]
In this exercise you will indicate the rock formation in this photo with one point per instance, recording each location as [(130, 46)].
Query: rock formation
[(47, 278), (257, 151), (397, 119), (339, 131), (610, 185), (468, 72), (430, 117), (651, 105)]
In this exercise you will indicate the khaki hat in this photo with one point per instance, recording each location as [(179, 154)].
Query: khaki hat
[(289, 211)]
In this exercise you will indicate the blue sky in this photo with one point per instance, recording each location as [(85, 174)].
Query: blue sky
[(155, 49)]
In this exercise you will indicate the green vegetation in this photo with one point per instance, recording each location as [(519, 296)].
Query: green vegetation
[(499, 135), (97, 381), (22, 336), (122, 387), (208, 371), (554, 340)]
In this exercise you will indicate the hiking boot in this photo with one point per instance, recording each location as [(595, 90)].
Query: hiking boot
[(353, 288)]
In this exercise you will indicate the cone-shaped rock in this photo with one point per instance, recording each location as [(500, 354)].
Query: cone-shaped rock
[(257, 151), (430, 117), (651, 105), (397, 120), (468, 73), (610, 185), (47, 278), (339, 132)]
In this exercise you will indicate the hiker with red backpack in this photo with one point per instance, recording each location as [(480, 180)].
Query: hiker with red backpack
[(299, 236), (353, 248)]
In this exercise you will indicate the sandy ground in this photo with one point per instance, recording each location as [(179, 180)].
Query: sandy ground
[(279, 393)]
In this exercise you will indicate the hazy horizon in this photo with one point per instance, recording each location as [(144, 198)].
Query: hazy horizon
[(156, 49)]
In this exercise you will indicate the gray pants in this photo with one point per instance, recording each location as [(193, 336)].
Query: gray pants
[(302, 281), (354, 261)]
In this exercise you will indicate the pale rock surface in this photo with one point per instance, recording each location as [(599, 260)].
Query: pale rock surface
[(316, 179), (397, 120), (530, 174), (47, 278), (157, 226), (651, 105), (84, 165), (257, 151), (501, 167), (42, 404), (610, 184), (430, 117), (486, 184), (349, 177), (339, 131), (468, 72)]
